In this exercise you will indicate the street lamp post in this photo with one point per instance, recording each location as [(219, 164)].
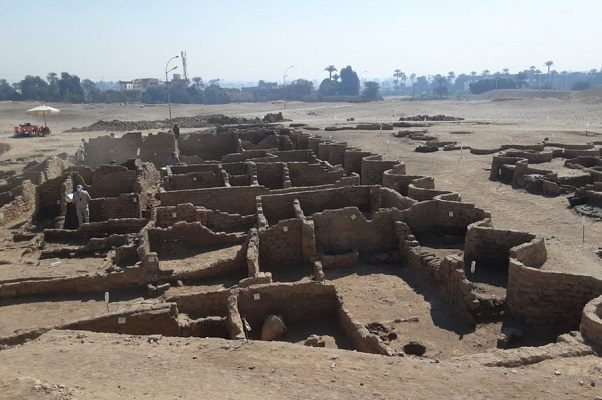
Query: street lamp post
[(167, 84), (284, 83)]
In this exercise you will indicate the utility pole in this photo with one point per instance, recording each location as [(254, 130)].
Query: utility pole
[(167, 84), (284, 84)]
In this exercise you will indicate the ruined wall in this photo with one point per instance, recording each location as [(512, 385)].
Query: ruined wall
[(214, 220), (208, 146), (550, 299), (305, 174), (542, 298), (591, 322), (50, 168), (280, 246), (187, 236), (22, 201), (157, 148), (237, 200), (111, 181), (443, 217), (340, 231), (489, 247), (198, 305), (295, 302), (125, 205), (104, 149), (271, 175), (373, 168), (194, 180), (353, 160), (280, 206)]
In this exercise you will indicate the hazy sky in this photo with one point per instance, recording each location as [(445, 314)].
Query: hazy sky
[(257, 39)]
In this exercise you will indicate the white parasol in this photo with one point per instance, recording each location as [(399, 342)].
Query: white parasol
[(43, 110)]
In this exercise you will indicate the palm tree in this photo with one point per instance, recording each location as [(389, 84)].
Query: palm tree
[(549, 64), (198, 82), (331, 68), (473, 74), (413, 80), (397, 76), (451, 75), (403, 78), (506, 71), (486, 72), (336, 77)]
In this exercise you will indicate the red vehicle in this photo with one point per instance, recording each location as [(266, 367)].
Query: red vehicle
[(29, 130)]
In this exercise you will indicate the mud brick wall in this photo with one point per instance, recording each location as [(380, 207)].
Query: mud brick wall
[(295, 156), (189, 236), (126, 205), (271, 175), (111, 181), (548, 299), (208, 146), (388, 198), (373, 168), (194, 180), (104, 149), (490, 247), (280, 206), (236, 200), (23, 202), (50, 168), (358, 335), (434, 216), (343, 230), (50, 197), (591, 322), (161, 321), (423, 188), (214, 220), (295, 302), (157, 148), (313, 143), (305, 174), (334, 153), (198, 305), (248, 155), (202, 167), (280, 246), (353, 160)]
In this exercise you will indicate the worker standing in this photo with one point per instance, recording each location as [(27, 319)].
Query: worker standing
[(80, 153), (176, 131), (81, 198), (173, 159)]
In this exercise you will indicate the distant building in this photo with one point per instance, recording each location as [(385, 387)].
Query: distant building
[(140, 85)]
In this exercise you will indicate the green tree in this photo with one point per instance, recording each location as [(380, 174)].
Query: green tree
[(440, 85), (7, 92), (331, 68), (90, 90), (70, 88), (328, 87), (350, 82), (33, 88), (53, 86), (371, 91), (299, 89)]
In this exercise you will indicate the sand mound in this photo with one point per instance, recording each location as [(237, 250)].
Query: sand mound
[(518, 94), (198, 121)]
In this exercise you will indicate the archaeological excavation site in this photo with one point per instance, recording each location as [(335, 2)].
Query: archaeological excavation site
[(279, 233)]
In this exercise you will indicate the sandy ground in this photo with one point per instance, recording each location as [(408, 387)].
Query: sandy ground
[(83, 365), (490, 123), (61, 365)]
